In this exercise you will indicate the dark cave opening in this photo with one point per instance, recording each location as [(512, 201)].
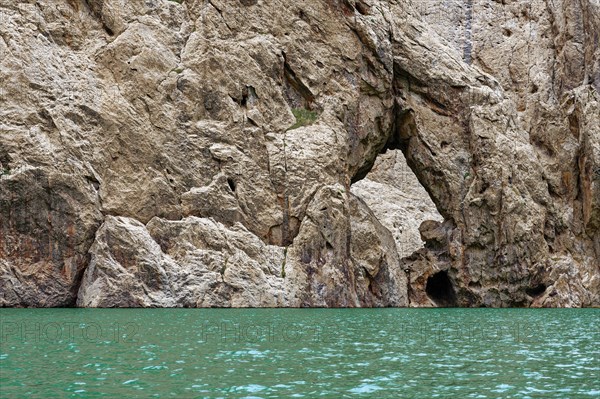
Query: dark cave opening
[(536, 290), (440, 289)]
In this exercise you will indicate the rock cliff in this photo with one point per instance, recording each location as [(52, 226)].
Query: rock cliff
[(320, 153)]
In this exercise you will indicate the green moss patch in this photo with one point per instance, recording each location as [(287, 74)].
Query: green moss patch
[(304, 117)]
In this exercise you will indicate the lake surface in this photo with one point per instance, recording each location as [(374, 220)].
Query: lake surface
[(300, 353)]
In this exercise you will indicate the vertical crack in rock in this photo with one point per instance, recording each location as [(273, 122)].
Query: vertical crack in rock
[(468, 39)]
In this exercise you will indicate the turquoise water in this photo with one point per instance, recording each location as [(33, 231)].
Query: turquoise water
[(303, 353)]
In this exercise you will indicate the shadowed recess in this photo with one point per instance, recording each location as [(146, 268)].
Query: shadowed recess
[(440, 289)]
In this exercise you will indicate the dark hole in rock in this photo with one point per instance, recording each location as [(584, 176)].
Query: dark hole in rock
[(95, 183), (362, 8), (108, 31), (231, 184), (534, 88), (440, 289), (244, 99), (536, 290)]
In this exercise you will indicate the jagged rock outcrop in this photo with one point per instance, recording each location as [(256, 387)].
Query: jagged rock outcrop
[(546, 57), (202, 153), (197, 262)]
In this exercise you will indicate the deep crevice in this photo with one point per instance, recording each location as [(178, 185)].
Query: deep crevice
[(394, 142), (297, 93), (108, 31), (231, 184)]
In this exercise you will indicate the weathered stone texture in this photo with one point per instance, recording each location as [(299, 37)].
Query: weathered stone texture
[(257, 153)]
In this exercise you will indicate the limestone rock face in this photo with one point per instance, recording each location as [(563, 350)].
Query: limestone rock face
[(545, 56), (318, 153), (197, 262)]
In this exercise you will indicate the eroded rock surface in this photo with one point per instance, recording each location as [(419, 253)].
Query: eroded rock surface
[(202, 153)]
